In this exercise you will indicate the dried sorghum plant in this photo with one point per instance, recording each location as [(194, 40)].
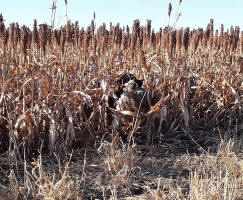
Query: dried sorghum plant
[(43, 36), (52, 98)]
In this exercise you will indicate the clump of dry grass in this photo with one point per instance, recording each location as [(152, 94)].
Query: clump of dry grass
[(219, 177), (212, 176), (117, 160), (41, 183)]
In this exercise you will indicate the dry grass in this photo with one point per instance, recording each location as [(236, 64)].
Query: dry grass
[(54, 96), (40, 184), (212, 176), (119, 171)]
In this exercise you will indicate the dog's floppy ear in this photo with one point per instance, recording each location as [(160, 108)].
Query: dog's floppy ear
[(139, 82), (118, 90)]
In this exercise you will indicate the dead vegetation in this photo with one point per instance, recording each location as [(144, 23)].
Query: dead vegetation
[(55, 86)]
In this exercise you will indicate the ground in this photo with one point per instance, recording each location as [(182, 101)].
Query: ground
[(182, 165)]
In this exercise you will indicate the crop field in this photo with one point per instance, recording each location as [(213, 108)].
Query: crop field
[(114, 112)]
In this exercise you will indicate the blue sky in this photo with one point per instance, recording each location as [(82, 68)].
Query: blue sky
[(195, 13)]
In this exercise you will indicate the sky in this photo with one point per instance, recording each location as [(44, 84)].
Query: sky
[(194, 13)]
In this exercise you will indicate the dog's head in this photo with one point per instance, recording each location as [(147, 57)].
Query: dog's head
[(125, 78), (127, 82)]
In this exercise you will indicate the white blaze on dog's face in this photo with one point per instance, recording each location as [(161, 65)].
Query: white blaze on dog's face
[(130, 86), (126, 78)]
